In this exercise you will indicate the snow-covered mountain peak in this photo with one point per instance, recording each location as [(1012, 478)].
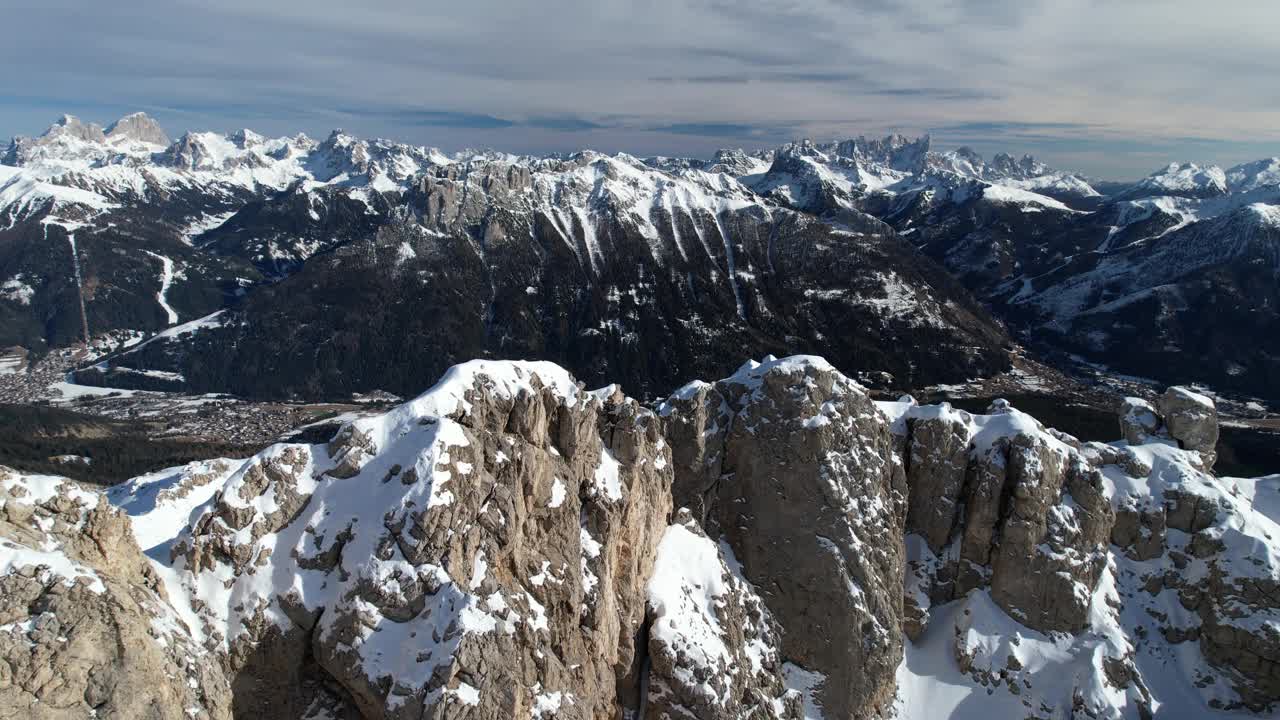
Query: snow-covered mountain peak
[(738, 162), (853, 173), (1254, 175), (1021, 169), (1025, 173), (69, 141), (137, 127), (72, 126), (893, 152), (1268, 215), (211, 151), (247, 138), (963, 161), (1185, 179)]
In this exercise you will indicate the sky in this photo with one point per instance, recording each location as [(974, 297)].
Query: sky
[(1112, 88)]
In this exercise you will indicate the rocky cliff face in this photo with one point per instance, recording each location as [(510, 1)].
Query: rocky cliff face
[(795, 468), (775, 544), (87, 628)]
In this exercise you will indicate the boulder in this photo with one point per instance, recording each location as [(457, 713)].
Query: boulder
[(1192, 420), (1139, 421)]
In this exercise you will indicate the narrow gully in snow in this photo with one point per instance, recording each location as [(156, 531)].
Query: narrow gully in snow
[(166, 280), (75, 265)]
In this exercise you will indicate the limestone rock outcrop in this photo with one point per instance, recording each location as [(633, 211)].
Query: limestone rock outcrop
[(138, 127), (481, 551), (999, 502), (793, 464), (774, 545), (1191, 419), (86, 629)]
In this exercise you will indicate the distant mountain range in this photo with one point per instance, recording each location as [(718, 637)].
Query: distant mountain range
[(296, 267)]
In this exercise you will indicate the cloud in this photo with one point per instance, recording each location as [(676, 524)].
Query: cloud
[(939, 94), (434, 118), (564, 122), (666, 76), (740, 131)]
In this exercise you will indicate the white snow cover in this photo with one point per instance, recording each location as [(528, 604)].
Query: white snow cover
[(1254, 175), (687, 585), (16, 290), (101, 172), (446, 397), (1062, 670), (48, 557), (212, 320), (1183, 178), (166, 279), (1010, 194), (1063, 183), (419, 434)]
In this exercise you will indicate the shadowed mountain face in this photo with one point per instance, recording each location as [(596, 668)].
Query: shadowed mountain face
[(349, 265), (625, 273), (1173, 277)]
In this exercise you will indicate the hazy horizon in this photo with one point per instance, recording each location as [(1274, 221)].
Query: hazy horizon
[(1111, 91)]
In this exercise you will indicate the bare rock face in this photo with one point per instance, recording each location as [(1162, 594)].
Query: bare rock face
[(936, 461), (1053, 541), (1192, 420), (811, 497), (713, 646), (503, 546), (1008, 530), (1139, 421), (999, 502), (481, 552), (138, 127), (85, 626)]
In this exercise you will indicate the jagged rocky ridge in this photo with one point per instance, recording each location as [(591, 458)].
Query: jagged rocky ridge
[(771, 545), (328, 254), (1172, 277), (840, 248)]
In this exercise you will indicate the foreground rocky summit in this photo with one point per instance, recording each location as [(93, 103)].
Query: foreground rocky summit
[(771, 545)]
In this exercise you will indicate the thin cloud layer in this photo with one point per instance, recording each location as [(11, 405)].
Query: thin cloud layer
[(1071, 80)]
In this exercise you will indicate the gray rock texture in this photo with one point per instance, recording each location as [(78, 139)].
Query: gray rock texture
[(796, 467), (1191, 419), (509, 545), (138, 127), (85, 626)]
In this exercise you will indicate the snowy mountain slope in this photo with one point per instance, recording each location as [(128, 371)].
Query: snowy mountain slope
[(250, 209), (603, 263), (1180, 180), (1254, 175), (1171, 277), (510, 545), (867, 174), (1195, 302), (696, 239)]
